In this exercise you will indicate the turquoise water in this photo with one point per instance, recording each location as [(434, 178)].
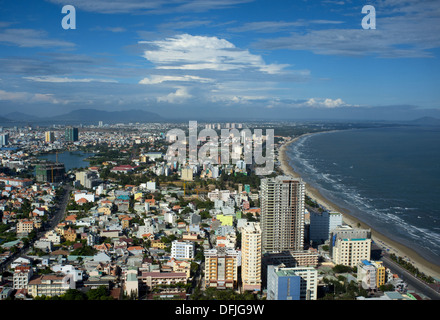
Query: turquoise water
[(75, 159), (387, 177)]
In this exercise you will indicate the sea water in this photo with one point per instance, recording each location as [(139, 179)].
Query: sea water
[(388, 178)]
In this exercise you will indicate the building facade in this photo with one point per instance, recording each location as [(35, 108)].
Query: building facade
[(71, 134), (350, 246), (221, 268), (251, 255), (321, 224), (297, 283), (282, 214), (182, 250), (50, 285)]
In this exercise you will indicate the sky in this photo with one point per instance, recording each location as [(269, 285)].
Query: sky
[(276, 59)]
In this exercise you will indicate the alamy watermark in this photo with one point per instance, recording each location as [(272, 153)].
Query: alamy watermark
[(231, 147), (69, 20), (369, 21)]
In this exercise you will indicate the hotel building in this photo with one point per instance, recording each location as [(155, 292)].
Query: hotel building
[(350, 246), (282, 214)]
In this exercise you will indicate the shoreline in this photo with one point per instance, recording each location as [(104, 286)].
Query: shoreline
[(380, 239)]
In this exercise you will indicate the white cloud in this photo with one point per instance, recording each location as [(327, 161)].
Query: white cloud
[(151, 6), (65, 79), (278, 26), (12, 96), (157, 79), (31, 38), (30, 97), (408, 29), (188, 52), (179, 96), (325, 103)]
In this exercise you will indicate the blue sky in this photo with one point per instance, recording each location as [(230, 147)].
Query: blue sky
[(235, 57)]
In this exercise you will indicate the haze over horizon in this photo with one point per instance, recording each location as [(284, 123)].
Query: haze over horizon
[(222, 59)]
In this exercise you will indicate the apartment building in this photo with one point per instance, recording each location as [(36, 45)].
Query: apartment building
[(182, 250), (25, 226), (295, 283), (22, 275), (282, 214), (251, 256), (371, 274), (50, 285), (221, 268)]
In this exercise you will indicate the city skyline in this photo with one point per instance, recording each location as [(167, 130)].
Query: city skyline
[(207, 58)]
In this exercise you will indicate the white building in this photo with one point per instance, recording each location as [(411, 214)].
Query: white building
[(90, 197), (22, 275), (182, 250), (77, 275), (350, 246)]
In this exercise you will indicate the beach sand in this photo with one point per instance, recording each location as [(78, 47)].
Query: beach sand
[(398, 249)]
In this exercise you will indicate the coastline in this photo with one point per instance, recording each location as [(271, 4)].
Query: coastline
[(380, 239)]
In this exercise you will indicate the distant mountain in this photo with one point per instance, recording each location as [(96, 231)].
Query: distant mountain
[(88, 116), (4, 120), (427, 121), (20, 117)]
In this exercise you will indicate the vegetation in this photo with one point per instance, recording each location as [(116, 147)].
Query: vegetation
[(342, 289), (101, 293), (228, 294), (412, 269)]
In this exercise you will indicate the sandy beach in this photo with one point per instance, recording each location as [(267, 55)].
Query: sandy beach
[(394, 247)]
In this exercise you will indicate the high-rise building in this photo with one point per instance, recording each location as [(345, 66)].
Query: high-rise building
[(50, 172), (282, 214), (350, 246), (251, 256), (49, 136), (4, 139), (297, 283), (322, 223), (71, 134), (221, 268)]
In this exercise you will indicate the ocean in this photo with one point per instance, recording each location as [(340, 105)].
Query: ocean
[(388, 178)]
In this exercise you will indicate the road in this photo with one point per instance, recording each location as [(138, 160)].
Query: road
[(413, 283), (52, 223)]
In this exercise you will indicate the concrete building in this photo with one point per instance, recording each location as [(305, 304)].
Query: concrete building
[(49, 136), (22, 275), (182, 250), (350, 246), (187, 174), (4, 139), (50, 285), (297, 283), (24, 227), (251, 254), (321, 224), (71, 134), (131, 285), (366, 275), (282, 214), (371, 274), (50, 172), (221, 268)]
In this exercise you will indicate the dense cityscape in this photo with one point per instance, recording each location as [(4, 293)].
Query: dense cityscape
[(97, 212)]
